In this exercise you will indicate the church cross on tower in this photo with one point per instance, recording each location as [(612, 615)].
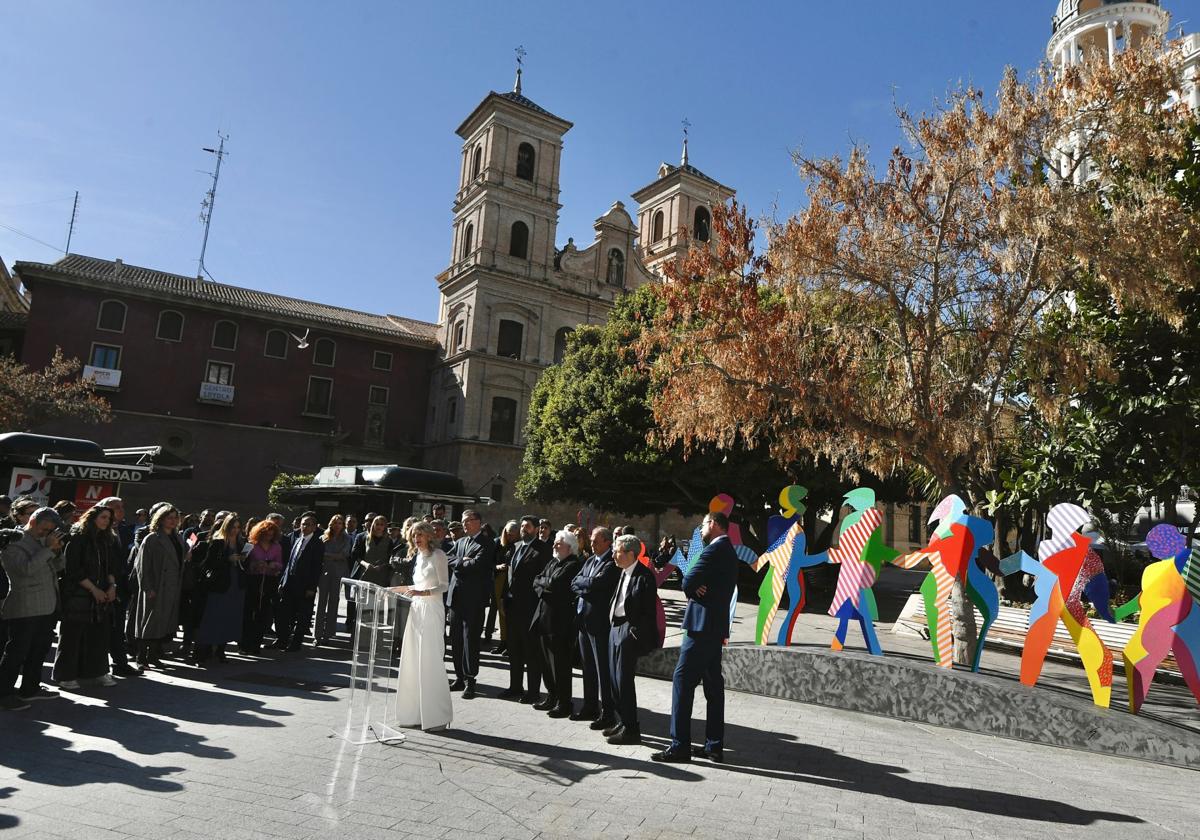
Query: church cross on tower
[(520, 51)]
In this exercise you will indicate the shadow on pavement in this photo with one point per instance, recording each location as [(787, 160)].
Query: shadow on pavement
[(137, 733), (8, 820), (49, 760), (776, 755)]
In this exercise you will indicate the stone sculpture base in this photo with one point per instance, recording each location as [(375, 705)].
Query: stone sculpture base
[(908, 689)]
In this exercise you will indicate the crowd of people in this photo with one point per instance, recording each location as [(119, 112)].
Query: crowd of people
[(166, 585)]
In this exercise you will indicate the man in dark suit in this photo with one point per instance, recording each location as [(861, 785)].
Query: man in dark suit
[(709, 585), (528, 560), (593, 588), (472, 570), (633, 614), (298, 585)]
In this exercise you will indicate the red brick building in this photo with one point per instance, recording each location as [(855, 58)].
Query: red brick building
[(242, 384)]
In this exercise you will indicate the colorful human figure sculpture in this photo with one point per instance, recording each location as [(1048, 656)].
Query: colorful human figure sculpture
[(861, 552), (722, 503), (660, 577), (953, 554), (787, 556), (1170, 617), (1066, 568)]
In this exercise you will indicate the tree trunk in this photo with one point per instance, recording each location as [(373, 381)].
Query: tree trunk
[(966, 633)]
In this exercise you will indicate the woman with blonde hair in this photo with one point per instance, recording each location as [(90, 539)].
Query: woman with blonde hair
[(222, 580), (159, 568), (423, 694), (335, 566)]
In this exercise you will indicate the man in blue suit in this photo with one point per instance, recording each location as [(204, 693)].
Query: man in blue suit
[(298, 585), (709, 585)]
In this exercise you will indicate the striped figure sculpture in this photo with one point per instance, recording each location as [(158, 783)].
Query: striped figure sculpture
[(1065, 569), (1170, 615), (787, 557), (861, 552), (683, 558), (953, 554)]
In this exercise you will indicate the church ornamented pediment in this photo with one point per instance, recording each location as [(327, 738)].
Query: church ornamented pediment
[(505, 382), (503, 306)]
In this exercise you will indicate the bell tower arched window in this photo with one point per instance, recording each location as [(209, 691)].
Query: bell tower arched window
[(702, 225), (476, 162), (560, 343), (659, 223), (525, 160), (468, 243), (616, 267), (518, 241)]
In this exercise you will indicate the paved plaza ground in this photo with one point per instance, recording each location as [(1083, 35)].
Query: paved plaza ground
[(250, 749)]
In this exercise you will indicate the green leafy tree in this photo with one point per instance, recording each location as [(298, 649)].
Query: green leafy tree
[(282, 483)]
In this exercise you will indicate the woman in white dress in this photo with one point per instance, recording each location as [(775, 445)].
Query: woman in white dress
[(423, 693)]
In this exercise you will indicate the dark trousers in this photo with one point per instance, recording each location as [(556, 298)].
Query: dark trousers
[(191, 610), (524, 657), (116, 634), (293, 615), (28, 643), (594, 662), (623, 657), (699, 663), (82, 650), (257, 610), (557, 650), (466, 623)]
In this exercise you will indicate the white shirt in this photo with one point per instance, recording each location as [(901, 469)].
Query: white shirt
[(300, 544), (618, 604)]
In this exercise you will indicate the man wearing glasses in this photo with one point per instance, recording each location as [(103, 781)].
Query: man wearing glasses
[(472, 568)]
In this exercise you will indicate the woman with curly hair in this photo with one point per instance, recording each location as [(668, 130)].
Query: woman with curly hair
[(264, 565), (88, 592)]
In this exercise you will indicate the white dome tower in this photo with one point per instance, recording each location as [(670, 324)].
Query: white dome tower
[(1081, 27)]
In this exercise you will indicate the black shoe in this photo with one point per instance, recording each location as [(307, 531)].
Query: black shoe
[(546, 705), (585, 714), (511, 694), (560, 712), (469, 691), (294, 646), (278, 644), (671, 757), (606, 722), (613, 730), (530, 697), (627, 735), (457, 685), (126, 671), (716, 756)]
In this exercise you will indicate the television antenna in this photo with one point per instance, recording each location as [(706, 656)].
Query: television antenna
[(210, 199)]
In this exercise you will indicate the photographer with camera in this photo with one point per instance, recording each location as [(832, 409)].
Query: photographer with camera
[(33, 564)]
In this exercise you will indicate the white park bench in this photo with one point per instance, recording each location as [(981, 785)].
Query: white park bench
[(1012, 623)]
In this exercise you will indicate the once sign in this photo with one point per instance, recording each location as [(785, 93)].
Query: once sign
[(90, 471)]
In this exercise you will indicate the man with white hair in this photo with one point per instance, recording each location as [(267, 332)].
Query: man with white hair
[(554, 622), (593, 587), (634, 616)]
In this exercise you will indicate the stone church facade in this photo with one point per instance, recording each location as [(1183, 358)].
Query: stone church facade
[(510, 296)]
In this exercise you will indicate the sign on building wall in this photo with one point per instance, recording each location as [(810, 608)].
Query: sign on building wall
[(104, 377), (91, 471), (27, 481), (89, 493)]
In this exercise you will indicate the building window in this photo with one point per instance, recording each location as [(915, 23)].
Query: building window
[(225, 335), (219, 373), (476, 162), (508, 343), (468, 243), (106, 356), (914, 524), (112, 316), (451, 410), (277, 344), (518, 241), (525, 158), (702, 225), (319, 397), (324, 352), (170, 326), (381, 360), (659, 222), (497, 492), (378, 395), (504, 420), (560, 343), (616, 267), (460, 331)]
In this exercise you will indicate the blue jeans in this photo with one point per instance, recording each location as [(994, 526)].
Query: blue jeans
[(699, 663)]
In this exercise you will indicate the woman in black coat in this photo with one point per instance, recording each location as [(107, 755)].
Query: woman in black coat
[(554, 623), (223, 582), (88, 592)]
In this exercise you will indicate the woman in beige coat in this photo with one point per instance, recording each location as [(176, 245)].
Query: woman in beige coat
[(159, 573)]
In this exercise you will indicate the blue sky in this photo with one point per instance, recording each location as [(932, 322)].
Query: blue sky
[(343, 159)]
